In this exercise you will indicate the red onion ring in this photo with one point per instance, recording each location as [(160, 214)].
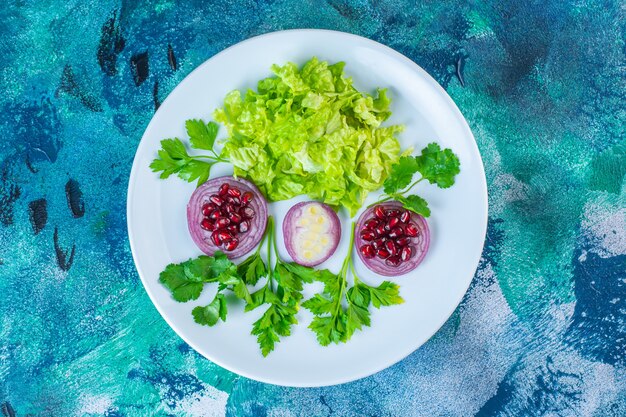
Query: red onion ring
[(289, 229), (420, 243), (248, 240)]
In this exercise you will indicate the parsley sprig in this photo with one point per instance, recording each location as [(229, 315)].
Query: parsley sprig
[(174, 158), (282, 292), (437, 166), (336, 323)]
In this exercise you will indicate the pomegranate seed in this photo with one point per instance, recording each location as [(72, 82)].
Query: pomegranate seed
[(234, 192), (367, 251), (393, 213), (215, 214), (405, 216), (246, 198), (223, 189), (391, 247), (233, 228), (230, 208), (222, 222), (379, 211), (371, 224), (403, 241), (235, 200), (216, 238), (244, 226), (411, 230), (396, 232), (393, 261), (207, 208), (217, 200), (393, 222), (406, 253), (247, 212), (382, 253), (368, 235), (380, 230), (378, 243), (231, 244), (235, 218), (224, 235), (207, 224)]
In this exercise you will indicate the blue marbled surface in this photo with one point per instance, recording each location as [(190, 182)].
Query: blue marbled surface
[(542, 330)]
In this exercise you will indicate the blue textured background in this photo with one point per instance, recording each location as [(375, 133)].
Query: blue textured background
[(542, 330)]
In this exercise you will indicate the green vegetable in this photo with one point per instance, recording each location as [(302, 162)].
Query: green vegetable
[(336, 323), (435, 165), (174, 159), (283, 292), (186, 280), (309, 131)]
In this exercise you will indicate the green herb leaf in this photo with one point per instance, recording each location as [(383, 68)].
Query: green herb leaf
[(209, 315), (252, 269), (401, 175), (386, 294), (201, 135), (183, 287), (174, 159), (275, 322), (414, 203), (438, 166), (319, 304)]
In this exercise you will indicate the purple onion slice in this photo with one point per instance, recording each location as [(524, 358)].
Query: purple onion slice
[(391, 240), (312, 232), (233, 215)]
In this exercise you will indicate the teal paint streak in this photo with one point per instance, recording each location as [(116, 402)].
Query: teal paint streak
[(544, 99)]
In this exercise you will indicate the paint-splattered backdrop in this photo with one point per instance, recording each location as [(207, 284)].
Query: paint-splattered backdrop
[(542, 330)]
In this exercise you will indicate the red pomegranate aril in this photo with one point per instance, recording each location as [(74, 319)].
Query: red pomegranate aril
[(215, 236), (247, 212), (393, 213), (380, 230), (246, 198), (368, 251), (378, 243), (396, 232), (406, 253), (207, 224), (207, 208), (403, 241), (370, 224), (231, 244), (217, 200), (235, 218), (230, 208), (234, 192), (222, 222), (224, 235), (368, 235), (393, 222), (244, 226), (382, 253), (233, 228), (393, 261), (405, 216), (391, 247), (235, 200), (223, 190), (379, 211), (411, 230), (215, 214)]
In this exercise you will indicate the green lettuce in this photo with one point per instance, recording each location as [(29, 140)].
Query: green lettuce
[(309, 131)]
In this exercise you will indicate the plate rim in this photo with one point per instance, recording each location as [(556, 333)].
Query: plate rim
[(401, 355)]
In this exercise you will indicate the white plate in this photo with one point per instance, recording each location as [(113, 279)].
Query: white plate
[(157, 224)]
